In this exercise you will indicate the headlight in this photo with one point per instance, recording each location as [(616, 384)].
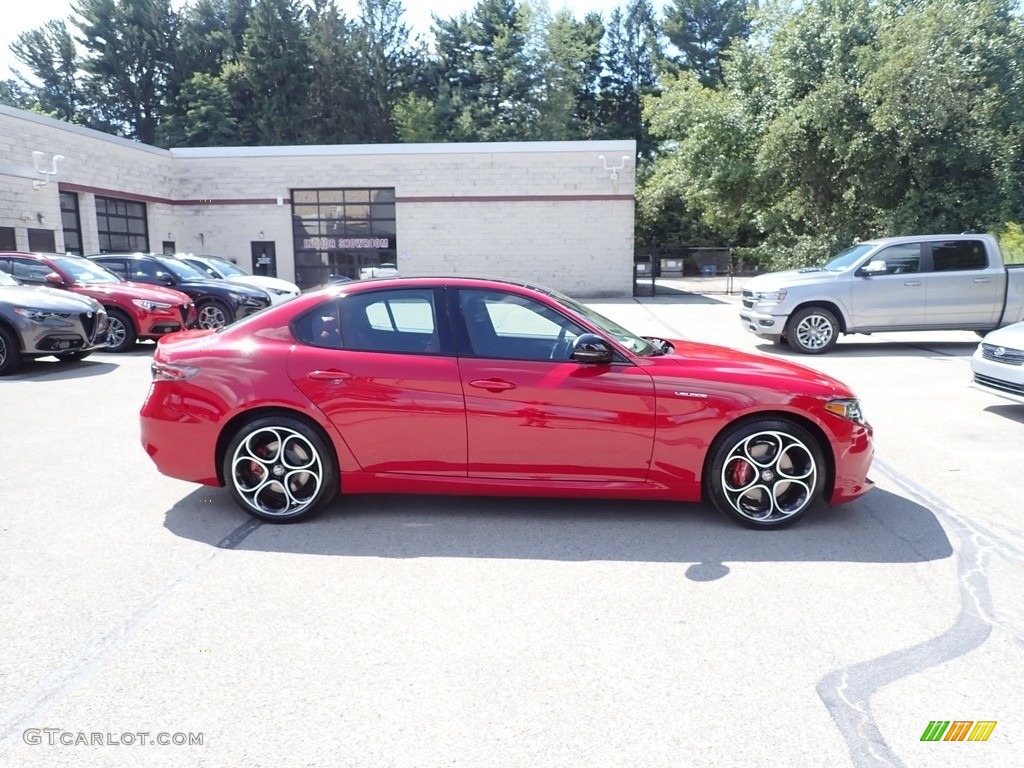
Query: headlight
[(770, 295), (149, 306), (169, 372), (847, 408), (249, 301), (36, 315)]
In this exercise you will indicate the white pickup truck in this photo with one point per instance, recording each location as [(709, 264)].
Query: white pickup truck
[(920, 283)]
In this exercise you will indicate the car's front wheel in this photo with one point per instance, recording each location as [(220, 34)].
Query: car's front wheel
[(812, 330), (120, 331), (765, 474), (213, 315), (10, 352), (280, 469)]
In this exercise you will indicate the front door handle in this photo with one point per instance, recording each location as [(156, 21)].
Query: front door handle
[(912, 282), (330, 375), (983, 279), (492, 385)]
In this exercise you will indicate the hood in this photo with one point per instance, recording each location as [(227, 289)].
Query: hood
[(262, 281), (46, 298), (130, 291), (1011, 337), (723, 364), (215, 286), (773, 281)]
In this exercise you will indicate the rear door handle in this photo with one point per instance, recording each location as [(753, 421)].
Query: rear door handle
[(983, 279), (492, 385), (912, 282), (329, 375)]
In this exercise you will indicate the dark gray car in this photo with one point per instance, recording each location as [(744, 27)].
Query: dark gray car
[(37, 322)]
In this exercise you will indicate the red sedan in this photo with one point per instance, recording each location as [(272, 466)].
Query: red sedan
[(468, 386)]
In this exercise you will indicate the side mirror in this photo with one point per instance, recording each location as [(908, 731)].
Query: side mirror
[(589, 348), (164, 278), (52, 278), (877, 267)]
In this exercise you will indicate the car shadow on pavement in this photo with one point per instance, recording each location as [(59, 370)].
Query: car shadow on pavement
[(879, 528), (955, 349), (1011, 412), (47, 369)]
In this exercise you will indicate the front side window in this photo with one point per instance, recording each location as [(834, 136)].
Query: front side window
[(512, 327), (959, 255), (902, 259)]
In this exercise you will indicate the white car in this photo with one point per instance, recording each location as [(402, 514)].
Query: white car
[(998, 363), (381, 270), (220, 268)]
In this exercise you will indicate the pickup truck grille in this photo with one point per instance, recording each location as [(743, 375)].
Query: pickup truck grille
[(748, 299), (1002, 354), (1002, 386)]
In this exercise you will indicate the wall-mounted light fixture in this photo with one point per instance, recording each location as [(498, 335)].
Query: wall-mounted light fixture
[(37, 161), (614, 168), (261, 234), (41, 218)]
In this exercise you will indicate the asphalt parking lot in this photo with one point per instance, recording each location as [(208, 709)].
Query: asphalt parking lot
[(420, 632)]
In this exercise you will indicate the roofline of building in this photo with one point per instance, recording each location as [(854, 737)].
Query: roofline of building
[(625, 146)]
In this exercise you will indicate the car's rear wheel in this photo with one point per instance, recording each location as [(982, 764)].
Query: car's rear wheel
[(765, 474), (812, 330), (73, 357), (213, 314), (120, 331), (280, 469), (10, 352)]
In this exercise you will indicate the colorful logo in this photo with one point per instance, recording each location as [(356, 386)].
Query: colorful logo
[(958, 730)]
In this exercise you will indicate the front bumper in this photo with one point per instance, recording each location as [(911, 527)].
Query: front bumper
[(763, 324), (1003, 379), (63, 332), (159, 322)]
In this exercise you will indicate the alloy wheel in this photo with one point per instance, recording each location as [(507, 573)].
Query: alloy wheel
[(116, 332), (277, 471), (769, 476), (212, 317)]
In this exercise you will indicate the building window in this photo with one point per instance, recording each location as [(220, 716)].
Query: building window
[(121, 225), (341, 231), (71, 222), (7, 241), (41, 241)]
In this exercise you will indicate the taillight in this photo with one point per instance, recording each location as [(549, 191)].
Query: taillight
[(168, 372)]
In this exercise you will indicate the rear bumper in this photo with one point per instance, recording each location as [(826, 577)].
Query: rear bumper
[(180, 444)]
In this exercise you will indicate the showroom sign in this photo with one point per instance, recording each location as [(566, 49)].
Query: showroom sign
[(325, 243)]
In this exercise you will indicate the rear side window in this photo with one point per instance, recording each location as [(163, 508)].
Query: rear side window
[(32, 272), (381, 321), (957, 255)]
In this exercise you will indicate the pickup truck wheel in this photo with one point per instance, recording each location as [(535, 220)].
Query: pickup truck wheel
[(812, 330)]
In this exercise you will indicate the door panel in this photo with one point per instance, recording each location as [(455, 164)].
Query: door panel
[(895, 298), (962, 291)]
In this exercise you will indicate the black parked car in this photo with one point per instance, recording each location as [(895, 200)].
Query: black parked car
[(218, 303)]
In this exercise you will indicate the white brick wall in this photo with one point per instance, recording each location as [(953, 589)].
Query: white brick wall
[(583, 247)]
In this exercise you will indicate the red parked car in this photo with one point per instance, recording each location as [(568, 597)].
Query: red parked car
[(135, 311), (469, 386)]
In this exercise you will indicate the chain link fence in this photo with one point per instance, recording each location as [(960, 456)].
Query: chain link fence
[(667, 271)]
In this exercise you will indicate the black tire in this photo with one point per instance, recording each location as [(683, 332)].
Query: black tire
[(120, 331), (812, 330), (10, 352), (252, 463), (73, 357), (780, 341), (765, 474), (213, 314)]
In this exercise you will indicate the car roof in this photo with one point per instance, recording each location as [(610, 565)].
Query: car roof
[(923, 238), (457, 281)]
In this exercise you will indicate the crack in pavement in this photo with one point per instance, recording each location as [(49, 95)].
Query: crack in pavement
[(847, 692), (56, 686)]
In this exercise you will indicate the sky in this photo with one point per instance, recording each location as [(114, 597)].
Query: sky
[(22, 15)]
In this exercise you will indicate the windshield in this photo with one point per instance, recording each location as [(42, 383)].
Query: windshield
[(847, 259), (182, 271), (227, 269), (6, 279), (628, 339), (85, 272)]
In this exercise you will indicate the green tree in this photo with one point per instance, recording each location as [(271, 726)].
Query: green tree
[(272, 81), (204, 115), (570, 77), (13, 94), (52, 60), (127, 47), (702, 30), (388, 66)]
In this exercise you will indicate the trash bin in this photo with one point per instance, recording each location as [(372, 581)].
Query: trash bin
[(672, 267), (708, 270)]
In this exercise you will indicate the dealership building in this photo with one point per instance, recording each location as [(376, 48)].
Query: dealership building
[(556, 213)]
